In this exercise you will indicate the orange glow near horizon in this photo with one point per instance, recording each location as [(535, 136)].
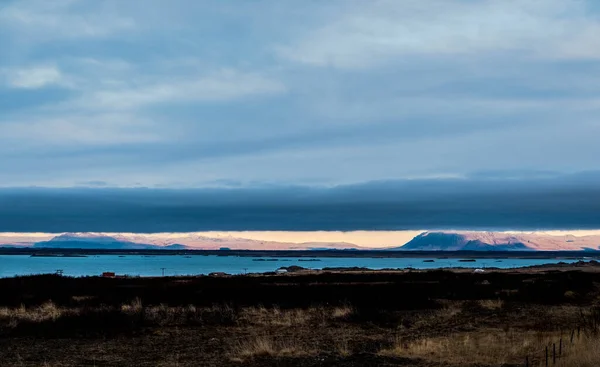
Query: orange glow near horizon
[(372, 239)]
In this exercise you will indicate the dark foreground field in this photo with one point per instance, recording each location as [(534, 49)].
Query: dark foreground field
[(428, 318)]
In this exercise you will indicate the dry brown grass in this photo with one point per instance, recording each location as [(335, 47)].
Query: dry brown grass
[(266, 346), (47, 311), (163, 315), (160, 315), (133, 307), (446, 315), (568, 313), (491, 304), (342, 347), (176, 315), (444, 339), (342, 312), (294, 317), (82, 298), (449, 309), (481, 347), (583, 353), (275, 316)]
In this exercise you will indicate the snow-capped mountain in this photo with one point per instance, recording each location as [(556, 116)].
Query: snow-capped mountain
[(501, 241)]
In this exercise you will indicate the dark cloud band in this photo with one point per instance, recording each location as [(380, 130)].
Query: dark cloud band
[(559, 202)]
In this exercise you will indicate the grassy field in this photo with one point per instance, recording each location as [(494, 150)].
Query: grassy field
[(436, 318)]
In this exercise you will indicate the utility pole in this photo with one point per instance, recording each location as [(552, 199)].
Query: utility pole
[(163, 271)]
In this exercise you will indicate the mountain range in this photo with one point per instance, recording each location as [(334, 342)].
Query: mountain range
[(425, 241), (500, 241), (174, 242)]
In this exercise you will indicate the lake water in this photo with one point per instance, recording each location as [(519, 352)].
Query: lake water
[(12, 265)]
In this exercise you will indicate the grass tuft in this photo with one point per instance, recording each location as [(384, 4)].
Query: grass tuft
[(264, 346), (491, 304)]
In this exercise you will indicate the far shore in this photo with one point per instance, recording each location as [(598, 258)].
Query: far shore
[(570, 255)]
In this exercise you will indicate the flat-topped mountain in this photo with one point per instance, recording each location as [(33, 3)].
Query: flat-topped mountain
[(500, 241), (99, 241)]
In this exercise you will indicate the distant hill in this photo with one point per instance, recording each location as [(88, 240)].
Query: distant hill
[(99, 241), (499, 241), (177, 242)]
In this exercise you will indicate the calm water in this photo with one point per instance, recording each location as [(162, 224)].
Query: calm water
[(11, 265)]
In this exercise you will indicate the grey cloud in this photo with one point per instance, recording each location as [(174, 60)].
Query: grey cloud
[(364, 37), (158, 152), (46, 20), (34, 77), (97, 183), (563, 202), (340, 154), (194, 93), (514, 174)]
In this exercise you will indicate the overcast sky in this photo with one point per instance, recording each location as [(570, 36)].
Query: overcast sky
[(191, 93)]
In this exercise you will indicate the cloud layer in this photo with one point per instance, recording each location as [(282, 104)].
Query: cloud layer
[(208, 93), (482, 203)]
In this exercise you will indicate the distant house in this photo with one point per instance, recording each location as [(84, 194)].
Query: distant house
[(108, 274), (281, 271), (478, 271)]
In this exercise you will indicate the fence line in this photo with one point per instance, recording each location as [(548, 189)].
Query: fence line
[(549, 358)]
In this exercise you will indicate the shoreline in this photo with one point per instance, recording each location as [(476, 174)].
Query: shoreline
[(573, 255), (590, 266)]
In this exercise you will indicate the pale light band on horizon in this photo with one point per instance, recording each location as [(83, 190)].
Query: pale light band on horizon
[(361, 238)]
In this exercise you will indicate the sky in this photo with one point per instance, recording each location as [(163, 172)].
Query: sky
[(569, 202), (267, 115), (239, 94)]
